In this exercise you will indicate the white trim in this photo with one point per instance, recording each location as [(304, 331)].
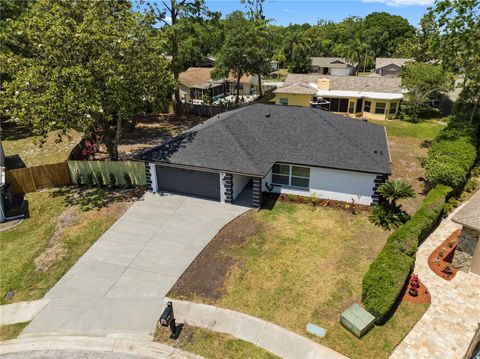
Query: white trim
[(153, 177), (357, 94)]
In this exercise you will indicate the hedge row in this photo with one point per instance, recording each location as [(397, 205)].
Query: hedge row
[(387, 275), (451, 156)]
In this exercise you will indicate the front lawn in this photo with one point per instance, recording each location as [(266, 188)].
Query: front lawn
[(35, 254), (300, 265), (11, 331)]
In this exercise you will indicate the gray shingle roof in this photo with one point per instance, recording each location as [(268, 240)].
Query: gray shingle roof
[(251, 139), (384, 61), (333, 62), (350, 83), (469, 215)]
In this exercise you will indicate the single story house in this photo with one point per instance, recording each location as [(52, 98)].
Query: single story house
[(234, 156), (248, 83), (196, 82), (372, 98), (386, 66), (467, 253), (332, 66)]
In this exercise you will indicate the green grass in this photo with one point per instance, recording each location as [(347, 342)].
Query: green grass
[(11, 331), (212, 345), (425, 130), (21, 245), (16, 140), (306, 265)]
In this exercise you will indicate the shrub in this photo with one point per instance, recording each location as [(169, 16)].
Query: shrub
[(90, 181), (451, 156), (291, 197), (387, 275), (99, 178), (388, 217), (78, 178), (128, 179), (112, 179)]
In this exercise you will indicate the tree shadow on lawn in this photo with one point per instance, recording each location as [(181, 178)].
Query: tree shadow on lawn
[(94, 198), (12, 131)]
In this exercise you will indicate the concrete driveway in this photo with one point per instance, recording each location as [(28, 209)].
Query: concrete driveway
[(119, 284)]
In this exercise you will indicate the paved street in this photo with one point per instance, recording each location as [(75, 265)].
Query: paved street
[(118, 286)]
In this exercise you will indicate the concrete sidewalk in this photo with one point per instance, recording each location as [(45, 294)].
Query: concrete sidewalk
[(88, 348), (21, 312), (266, 335), (119, 284)]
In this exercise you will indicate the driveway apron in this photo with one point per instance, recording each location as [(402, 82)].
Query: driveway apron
[(119, 284)]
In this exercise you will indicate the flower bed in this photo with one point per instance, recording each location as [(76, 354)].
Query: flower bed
[(318, 202), (417, 292), (440, 261)]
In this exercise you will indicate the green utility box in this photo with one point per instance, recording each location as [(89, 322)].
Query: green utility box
[(357, 320)]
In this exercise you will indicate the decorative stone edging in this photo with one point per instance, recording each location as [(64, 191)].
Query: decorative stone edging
[(266, 335), (21, 312), (143, 349)]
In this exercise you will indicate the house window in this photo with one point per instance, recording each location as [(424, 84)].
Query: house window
[(366, 106), (359, 105), (380, 107), (351, 107), (338, 104), (393, 108), (283, 101), (293, 176)]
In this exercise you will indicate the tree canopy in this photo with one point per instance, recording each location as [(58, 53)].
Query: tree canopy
[(82, 65)]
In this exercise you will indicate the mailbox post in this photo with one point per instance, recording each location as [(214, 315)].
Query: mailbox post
[(168, 319)]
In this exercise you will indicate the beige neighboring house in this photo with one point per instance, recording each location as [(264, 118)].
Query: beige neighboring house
[(336, 66), (375, 98), (390, 66), (196, 82), (467, 253), (248, 84)]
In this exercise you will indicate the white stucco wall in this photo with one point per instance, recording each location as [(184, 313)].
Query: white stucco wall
[(239, 183), (222, 187), (333, 184), (153, 177), (340, 72)]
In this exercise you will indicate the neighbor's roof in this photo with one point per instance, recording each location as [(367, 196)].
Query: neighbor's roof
[(197, 77), (245, 79), (251, 139), (469, 215), (350, 83), (333, 62), (297, 88), (384, 61)]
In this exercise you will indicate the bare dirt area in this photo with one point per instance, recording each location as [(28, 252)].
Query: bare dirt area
[(406, 153), (151, 131), (206, 275)]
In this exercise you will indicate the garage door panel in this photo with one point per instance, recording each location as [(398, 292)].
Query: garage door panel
[(189, 182)]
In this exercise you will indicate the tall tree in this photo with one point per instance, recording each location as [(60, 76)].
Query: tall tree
[(84, 65), (177, 17), (459, 44), (301, 60), (424, 82)]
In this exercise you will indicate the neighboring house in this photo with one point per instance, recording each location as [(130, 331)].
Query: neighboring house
[(2, 183), (336, 66), (467, 253), (236, 155), (375, 98), (196, 83), (248, 84), (386, 66)]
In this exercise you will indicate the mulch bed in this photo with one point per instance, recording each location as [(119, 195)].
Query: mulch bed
[(423, 296), (441, 258), (206, 275), (317, 202)]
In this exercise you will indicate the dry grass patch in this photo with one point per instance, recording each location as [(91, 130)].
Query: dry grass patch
[(11, 331), (212, 345)]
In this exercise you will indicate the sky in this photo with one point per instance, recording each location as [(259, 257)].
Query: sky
[(283, 12)]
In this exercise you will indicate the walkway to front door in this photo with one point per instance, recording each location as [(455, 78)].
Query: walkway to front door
[(118, 286)]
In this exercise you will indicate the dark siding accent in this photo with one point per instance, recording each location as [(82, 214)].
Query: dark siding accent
[(257, 192), (377, 182), (228, 183), (149, 176)]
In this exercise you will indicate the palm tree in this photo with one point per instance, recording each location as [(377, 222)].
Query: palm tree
[(354, 52), (393, 190)]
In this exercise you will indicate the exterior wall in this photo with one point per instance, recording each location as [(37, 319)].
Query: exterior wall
[(222, 187), (339, 185), (377, 116), (151, 175), (184, 92), (341, 72), (466, 250), (239, 183), (294, 99), (389, 70)]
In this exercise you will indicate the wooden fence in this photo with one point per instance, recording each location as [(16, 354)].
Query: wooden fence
[(31, 179), (135, 170)]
